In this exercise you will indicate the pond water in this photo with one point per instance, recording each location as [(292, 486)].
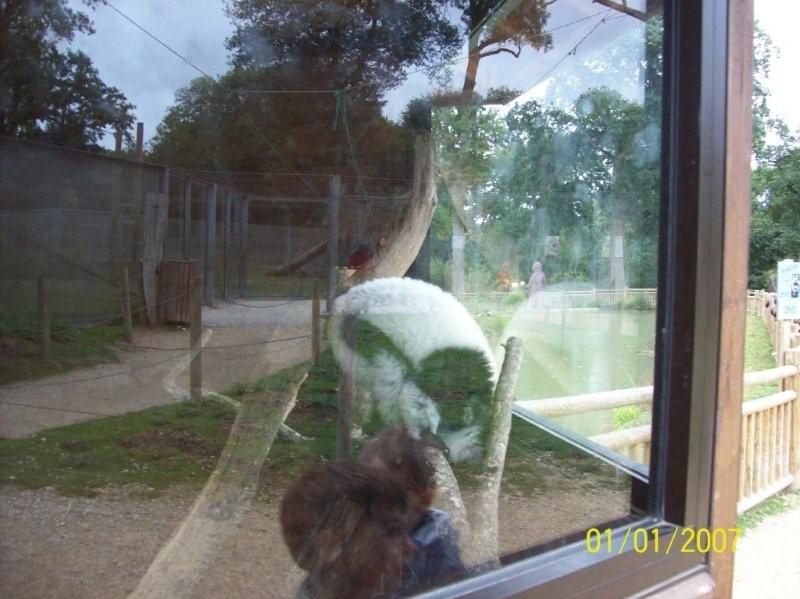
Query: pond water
[(568, 352)]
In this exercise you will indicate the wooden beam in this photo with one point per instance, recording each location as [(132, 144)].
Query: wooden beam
[(44, 319), (736, 233), (187, 218), (315, 324), (244, 219), (226, 246), (209, 243), (127, 320), (196, 333), (334, 197), (300, 260)]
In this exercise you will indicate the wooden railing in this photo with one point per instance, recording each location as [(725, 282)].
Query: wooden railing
[(568, 299), (770, 441), (783, 334)]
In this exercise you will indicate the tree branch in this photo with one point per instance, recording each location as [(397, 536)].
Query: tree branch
[(498, 51), (623, 8), (483, 516)]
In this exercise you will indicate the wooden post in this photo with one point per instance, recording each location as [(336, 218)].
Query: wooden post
[(163, 189), (209, 244), (196, 333), (793, 358), (333, 239), (127, 320), (347, 392), (226, 247), (187, 218), (114, 233), (44, 320), (315, 324), (361, 222), (140, 142), (289, 243), (244, 208)]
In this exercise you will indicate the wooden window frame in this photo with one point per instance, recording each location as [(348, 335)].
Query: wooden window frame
[(703, 242)]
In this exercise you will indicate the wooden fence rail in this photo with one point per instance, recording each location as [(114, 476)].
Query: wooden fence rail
[(568, 299), (770, 441), (783, 334)]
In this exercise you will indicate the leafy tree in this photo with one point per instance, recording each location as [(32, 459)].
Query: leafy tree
[(267, 112), (338, 44), (47, 93), (775, 198), (493, 27)]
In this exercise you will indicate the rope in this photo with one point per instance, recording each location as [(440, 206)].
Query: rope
[(234, 346)]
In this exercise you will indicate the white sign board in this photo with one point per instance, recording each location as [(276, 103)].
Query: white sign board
[(788, 290)]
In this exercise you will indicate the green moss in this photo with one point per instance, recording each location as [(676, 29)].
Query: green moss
[(158, 447)]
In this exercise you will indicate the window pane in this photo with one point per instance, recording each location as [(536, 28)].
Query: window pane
[(298, 159)]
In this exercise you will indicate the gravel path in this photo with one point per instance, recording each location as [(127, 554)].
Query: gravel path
[(64, 547), (768, 559), (150, 374)]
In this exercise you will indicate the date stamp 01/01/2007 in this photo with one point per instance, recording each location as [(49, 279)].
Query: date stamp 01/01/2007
[(678, 540)]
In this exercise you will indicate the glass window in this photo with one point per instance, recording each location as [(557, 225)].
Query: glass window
[(311, 275)]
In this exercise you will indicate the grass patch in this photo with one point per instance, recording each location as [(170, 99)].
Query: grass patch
[(157, 448), (260, 284), (493, 326), (179, 444), (534, 457), (70, 348), (783, 502), (758, 355)]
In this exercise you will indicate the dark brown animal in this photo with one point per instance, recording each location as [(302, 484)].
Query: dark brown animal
[(347, 524), (402, 457), (344, 523)]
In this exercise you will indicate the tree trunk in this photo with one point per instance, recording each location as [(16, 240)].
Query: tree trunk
[(405, 240), (458, 242), (193, 550), (484, 508), (617, 254)]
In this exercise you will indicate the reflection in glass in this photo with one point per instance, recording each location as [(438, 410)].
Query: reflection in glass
[(503, 156)]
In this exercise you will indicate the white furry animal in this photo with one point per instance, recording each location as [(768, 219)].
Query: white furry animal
[(421, 358)]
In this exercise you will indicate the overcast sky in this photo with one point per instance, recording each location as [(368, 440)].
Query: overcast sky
[(149, 75)]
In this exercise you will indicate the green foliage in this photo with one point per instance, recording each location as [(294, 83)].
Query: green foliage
[(48, 92), (308, 45), (70, 348), (638, 302), (441, 273), (493, 326), (778, 504), (758, 355), (628, 416), (775, 223), (514, 298)]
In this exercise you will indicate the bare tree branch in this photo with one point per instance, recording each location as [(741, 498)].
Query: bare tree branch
[(498, 51), (623, 8)]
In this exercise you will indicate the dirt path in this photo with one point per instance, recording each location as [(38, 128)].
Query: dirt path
[(64, 547), (247, 334), (768, 559)]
